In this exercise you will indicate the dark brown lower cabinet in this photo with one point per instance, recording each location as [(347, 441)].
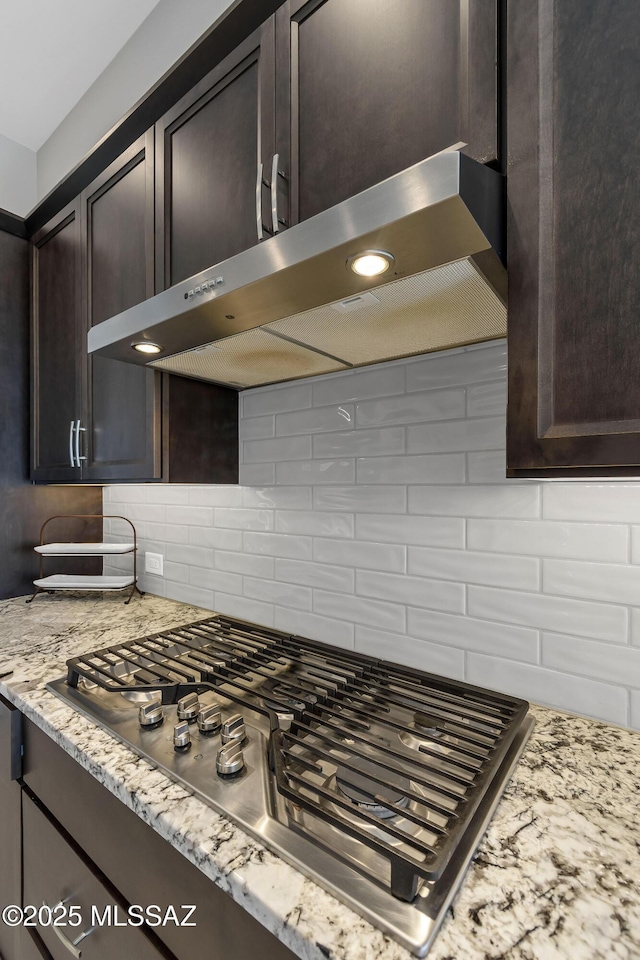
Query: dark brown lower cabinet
[(10, 830), (110, 842), (573, 237)]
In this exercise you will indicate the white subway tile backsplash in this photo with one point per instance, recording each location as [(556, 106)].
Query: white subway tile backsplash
[(277, 592), (216, 580), (316, 472), (220, 495), (194, 516), (245, 608), (487, 399), (257, 473), (457, 369), (374, 512), (244, 563), (432, 657), (486, 433), (278, 545), (243, 518), (361, 499), (599, 502), (430, 468), (601, 621), (488, 466), (189, 594), (359, 443), (189, 554), (259, 403), (317, 575), (378, 381), (216, 538), (257, 428), (326, 630), (315, 524), (473, 567), (482, 636), (602, 661), (546, 686), (338, 416), (430, 531), (617, 582), (546, 538), (414, 591), (411, 408), (519, 501), (274, 498), (374, 613), (278, 448), (373, 556)]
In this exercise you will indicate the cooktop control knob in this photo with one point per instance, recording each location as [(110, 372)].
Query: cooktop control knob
[(230, 759), (181, 736), (209, 718), (188, 707), (150, 715), (233, 729)]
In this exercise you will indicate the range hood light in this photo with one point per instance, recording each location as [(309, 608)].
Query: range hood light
[(370, 263), (145, 346)]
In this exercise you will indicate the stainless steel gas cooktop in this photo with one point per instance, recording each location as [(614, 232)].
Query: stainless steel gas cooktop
[(376, 780)]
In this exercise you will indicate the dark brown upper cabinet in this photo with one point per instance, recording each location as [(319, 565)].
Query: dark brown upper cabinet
[(573, 237), (366, 88), (114, 421), (56, 339), (212, 154), (122, 440)]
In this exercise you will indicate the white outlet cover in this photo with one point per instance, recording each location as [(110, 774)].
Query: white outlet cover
[(154, 563)]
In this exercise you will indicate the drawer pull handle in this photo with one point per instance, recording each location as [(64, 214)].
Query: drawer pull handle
[(71, 945)]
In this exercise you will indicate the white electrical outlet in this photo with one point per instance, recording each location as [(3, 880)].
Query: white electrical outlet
[(154, 563)]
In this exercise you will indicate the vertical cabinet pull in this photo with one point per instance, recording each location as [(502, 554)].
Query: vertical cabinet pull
[(79, 430), (259, 203), (71, 454), (275, 173)]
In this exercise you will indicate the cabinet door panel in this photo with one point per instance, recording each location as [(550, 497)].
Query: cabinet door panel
[(123, 435), (377, 85), (56, 345), (209, 147), (574, 399), (10, 821)]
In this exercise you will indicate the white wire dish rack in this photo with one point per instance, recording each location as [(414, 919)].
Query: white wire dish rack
[(75, 582)]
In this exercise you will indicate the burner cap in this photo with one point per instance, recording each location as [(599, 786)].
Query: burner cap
[(367, 793)]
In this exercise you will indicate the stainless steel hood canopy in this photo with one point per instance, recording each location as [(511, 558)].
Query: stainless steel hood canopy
[(291, 306)]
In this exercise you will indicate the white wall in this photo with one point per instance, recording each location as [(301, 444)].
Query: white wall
[(17, 177), (167, 33), (374, 514)]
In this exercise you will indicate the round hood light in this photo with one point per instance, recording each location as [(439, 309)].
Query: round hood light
[(370, 263), (145, 346)]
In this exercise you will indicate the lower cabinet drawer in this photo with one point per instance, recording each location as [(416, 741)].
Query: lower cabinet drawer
[(55, 874)]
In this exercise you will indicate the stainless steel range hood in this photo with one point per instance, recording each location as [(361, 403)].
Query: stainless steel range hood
[(292, 307)]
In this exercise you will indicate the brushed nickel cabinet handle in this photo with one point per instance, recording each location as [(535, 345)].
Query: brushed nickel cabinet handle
[(71, 454), (259, 203), (79, 430)]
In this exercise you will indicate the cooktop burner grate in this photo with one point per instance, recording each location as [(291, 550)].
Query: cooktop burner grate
[(390, 756)]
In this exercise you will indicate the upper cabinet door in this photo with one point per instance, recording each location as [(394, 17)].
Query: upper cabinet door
[(367, 88), (56, 347), (573, 237), (123, 428), (214, 150)]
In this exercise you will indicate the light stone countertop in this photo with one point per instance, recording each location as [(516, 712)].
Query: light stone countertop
[(556, 876)]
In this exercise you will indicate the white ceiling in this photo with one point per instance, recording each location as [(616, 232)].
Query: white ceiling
[(51, 51)]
